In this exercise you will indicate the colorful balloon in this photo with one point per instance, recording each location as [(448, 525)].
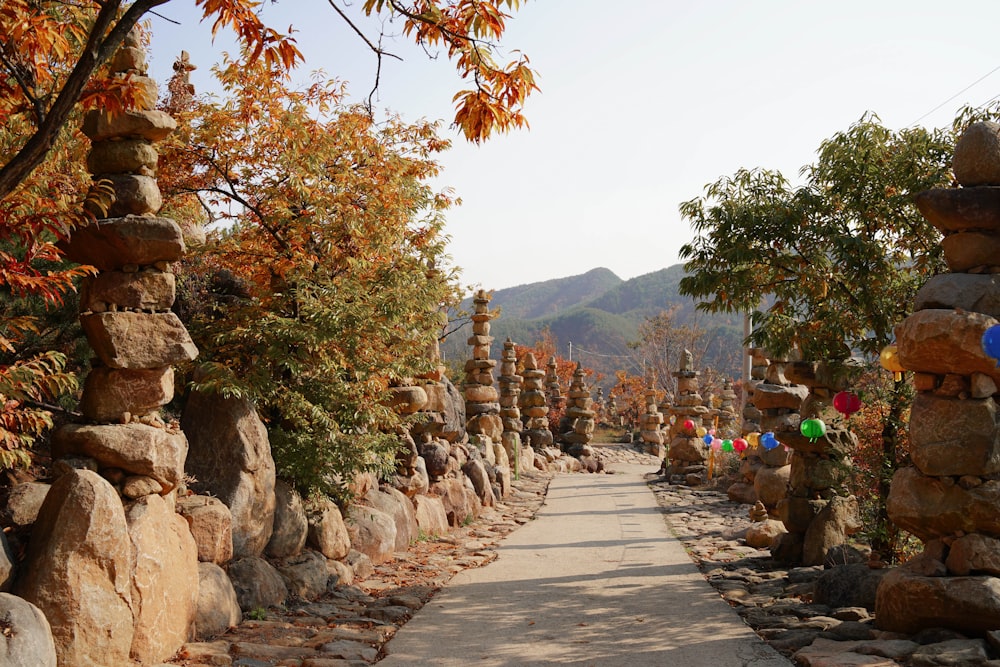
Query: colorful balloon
[(889, 358), (708, 438), (716, 444), (753, 439), (846, 403), (991, 342), (768, 441), (701, 431), (813, 429), (688, 425), (740, 445), (727, 445)]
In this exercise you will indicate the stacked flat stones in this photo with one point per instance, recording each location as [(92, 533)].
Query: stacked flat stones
[(482, 405), (553, 389), (819, 511), (777, 402), (611, 412), (950, 496), (728, 420), (139, 601), (743, 490), (534, 406), (579, 416), (687, 454), (510, 393), (650, 424)]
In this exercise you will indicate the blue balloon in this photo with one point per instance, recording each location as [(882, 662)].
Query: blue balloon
[(708, 438), (991, 342), (768, 441)]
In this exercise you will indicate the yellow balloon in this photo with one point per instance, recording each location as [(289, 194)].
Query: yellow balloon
[(889, 358), (753, 439), (701, 431)]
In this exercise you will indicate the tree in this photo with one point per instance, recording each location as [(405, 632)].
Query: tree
[(662, 341), (842, 255), (331, 247)]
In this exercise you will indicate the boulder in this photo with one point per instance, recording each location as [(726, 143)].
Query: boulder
[(400, 508), (771, 484), (211, 526), (907, 602), (257, 584), (431, 516), (974, 554), (122, 157), (7, 561), (435, 457), (305, 574), (968, 250), (963, 291), (110, 393), (138, 290), (762, 534), (230, 458), (476, 472), (407, 400), (327, 530), (290, 524), (959, 209), (164, 590), (373, 533), (454, 413), (458, 505), (415, 484), (151, 125), (771, 396), (111, 244), (742, 492), (977, 155), (218, 609), (945, 341), (360, 564), (950, 436), (934, 507), (135, 194), (136, 448), (136, 341), (23, 502), (77, 571), (831, 527), (26, 639)]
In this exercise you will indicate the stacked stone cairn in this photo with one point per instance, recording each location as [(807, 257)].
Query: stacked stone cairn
[(553, 389), (727, 418), (579, 420), (819, 512), (687, 455), (611, 412), (110, 562), (742, 491), (600, 406), (776, 403), (510, 413), (950, 497), (650, 425), (534, 406)]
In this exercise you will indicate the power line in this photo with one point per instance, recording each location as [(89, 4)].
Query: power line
[(956, 95)]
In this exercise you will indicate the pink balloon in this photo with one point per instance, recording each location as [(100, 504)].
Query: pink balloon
[(716, 444)]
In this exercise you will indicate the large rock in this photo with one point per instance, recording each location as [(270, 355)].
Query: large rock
[(111, 244), (142, 290), (151, 125), (762, 534), (400, 508), (949, 436), (305, 574), (476, 472), (431, 516), (849, 585), (454, 413), (968, 250), (435, 456), (769, 396), (26, 639), (771, 484), (974, 554), (122, 157), (960, 209), (77, 571), (977, 155), (135, 194), (218, 608), (164, 581), (327, 530), (934, 507), (407, 400), (290, 524), (230, 458), (211, 526), (23, 503), (110, 393), (136, 341), (373, 532), (908, 603), (963, 291), (7, 561), (458, 504), (945, 341), (831, 527), (257, 584), (136, 448)]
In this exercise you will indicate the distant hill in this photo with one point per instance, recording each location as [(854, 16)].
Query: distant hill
[(599, 313)]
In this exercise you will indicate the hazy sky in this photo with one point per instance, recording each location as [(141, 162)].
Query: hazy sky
[(643, 103)]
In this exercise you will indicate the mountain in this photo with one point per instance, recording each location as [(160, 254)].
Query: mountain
[(595, 315)]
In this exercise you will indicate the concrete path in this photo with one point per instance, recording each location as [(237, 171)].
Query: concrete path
[(595, 580)]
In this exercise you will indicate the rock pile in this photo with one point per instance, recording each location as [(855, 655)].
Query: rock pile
[(776, 402), (726, 417), (579, 419), (949, 496), (650, 425), (534, 406), (553, 389), (482, 405), (510, 413), (819, 511), (687, 454), (110, 563)]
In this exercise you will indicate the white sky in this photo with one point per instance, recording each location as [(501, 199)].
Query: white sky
[(643, 103)]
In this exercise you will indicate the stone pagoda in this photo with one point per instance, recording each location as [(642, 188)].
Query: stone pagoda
[(482, 407), (534, 407)]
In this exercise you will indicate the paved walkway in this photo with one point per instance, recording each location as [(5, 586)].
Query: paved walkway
[(595, 580)]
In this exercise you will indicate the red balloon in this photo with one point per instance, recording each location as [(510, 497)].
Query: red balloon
[(739, 444), (846, 402), (688, 425)]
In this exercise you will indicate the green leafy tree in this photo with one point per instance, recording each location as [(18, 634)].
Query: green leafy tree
[(841, 255), (322, 288)]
